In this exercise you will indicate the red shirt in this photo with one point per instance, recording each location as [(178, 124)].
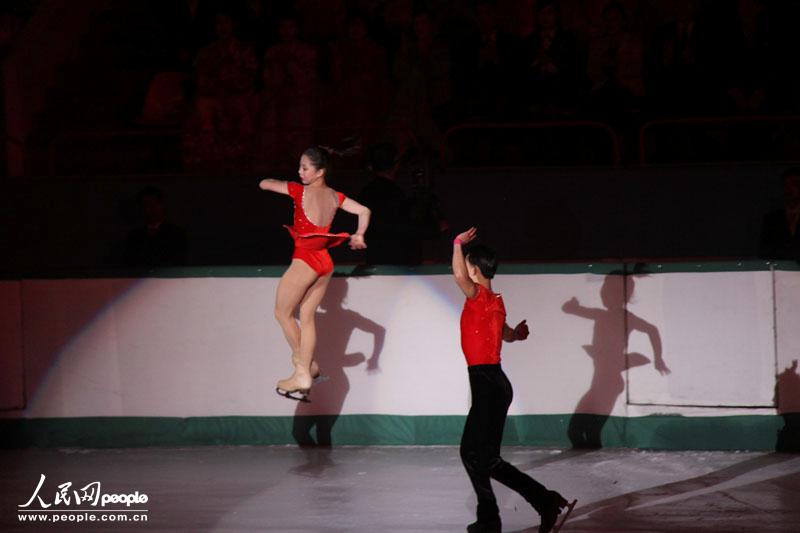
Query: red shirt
[(482, 323)]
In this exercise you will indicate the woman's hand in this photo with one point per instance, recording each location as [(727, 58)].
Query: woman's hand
[(357, 242)]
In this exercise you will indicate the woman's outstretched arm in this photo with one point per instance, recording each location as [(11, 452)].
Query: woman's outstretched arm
[(278, 186)]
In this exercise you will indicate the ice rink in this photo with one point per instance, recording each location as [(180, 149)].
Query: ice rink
[(402, 489)]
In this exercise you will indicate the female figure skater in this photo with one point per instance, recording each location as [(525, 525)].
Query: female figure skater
[(483, 328), (305, 281)]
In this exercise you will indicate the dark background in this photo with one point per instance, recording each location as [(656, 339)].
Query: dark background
[(634, 144)]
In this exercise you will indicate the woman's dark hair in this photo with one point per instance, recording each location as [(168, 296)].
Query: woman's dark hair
[(484, 258), (319, 156)]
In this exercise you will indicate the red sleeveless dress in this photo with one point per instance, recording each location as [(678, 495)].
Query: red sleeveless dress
[(311, 242)]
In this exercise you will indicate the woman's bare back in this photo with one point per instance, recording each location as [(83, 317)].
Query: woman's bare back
[(320, 205)]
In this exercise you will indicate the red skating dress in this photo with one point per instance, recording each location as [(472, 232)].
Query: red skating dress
[(311, 242), (482, 323)]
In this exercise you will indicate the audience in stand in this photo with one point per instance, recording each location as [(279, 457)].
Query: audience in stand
[(345, 68), (615, 65), (734, 55), (552, 64), (421, 75), (220, 131), (269, 79), (288, 103), (251, 83), (359, 81), (672, 73)]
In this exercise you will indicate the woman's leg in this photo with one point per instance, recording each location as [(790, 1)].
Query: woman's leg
[(308, 330), (294, 285)]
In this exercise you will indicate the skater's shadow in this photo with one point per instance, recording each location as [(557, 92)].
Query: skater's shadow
[(313, 422), (609, 355), (682, 501), (787, 397), (685, 500), (317, 459), (563, 455)]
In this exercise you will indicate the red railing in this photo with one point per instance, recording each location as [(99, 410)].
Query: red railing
[(53, 159), (371, 132), (754, 120), (538, 125), (332, 135)]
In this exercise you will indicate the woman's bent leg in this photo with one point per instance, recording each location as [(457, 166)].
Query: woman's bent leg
[(308, 330), (292, 289)]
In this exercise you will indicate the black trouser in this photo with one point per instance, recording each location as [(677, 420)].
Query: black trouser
[(480, 443)]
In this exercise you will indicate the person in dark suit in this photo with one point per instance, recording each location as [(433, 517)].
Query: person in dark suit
[(554, 64), (158, 242), (672, 74), (390, 223), (780, 234)]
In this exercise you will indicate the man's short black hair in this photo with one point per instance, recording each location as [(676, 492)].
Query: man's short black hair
[(484, 258), (381, 157)]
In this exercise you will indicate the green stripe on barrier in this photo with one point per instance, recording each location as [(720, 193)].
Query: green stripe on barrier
[(790, 266), (665, 432), (345, 270), (700, 266)]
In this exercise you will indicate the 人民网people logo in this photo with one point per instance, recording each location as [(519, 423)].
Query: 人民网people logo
[(85, 504), (90, 493)]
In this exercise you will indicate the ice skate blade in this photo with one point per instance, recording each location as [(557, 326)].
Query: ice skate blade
[(297, 395), (570, 506)]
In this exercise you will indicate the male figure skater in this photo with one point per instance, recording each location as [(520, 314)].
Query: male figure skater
[(483, 328)]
